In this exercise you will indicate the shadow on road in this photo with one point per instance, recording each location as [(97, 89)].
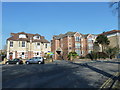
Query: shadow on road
[(109, 62), (33, 76), (97, 70)]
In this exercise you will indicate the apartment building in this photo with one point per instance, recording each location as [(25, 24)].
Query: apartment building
[(88, 43), (114, 37), (72, 41), (24, 45)]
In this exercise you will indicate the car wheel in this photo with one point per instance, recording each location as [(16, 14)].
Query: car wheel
[(27, 62), (42, 62), (39, 62), (7, 63), (17, 63)]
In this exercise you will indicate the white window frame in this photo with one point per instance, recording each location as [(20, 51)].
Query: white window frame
[(36, 37), (22, 36), (77, 38), (11, 43), (23, 44), (46, 45)]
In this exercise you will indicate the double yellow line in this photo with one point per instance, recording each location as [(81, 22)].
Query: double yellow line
[(106, 83)]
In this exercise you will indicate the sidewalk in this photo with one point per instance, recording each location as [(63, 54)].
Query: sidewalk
[(89, 60)]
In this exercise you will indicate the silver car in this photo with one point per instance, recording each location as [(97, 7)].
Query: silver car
[(35, 60)]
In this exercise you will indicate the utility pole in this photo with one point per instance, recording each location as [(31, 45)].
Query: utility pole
[(119, 15), (119, 29), (117, 34)]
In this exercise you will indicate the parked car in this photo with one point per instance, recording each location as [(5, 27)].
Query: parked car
[(35, 60), (14, 61)]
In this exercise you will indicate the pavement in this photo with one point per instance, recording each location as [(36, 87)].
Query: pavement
[(59, 74)]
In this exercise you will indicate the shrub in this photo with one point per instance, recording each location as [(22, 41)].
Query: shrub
[(96, 55), (72, 55)]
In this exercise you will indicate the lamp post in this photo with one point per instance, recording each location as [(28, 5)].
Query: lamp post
[(118, 29)]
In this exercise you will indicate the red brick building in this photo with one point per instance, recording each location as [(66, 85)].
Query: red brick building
[(72, 41)]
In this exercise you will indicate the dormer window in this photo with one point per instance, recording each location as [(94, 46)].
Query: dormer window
[(36, 37), (22, 36)]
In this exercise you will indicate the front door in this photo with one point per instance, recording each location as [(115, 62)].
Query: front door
[(23, 55), (10, 56)]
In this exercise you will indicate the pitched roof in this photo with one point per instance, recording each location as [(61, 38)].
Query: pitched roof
[(110, 32), (86, 35), (64, 35), (70, 33), (15, 37)]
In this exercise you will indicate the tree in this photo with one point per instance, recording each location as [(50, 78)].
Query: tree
[(111, 52), (115, 4), (116, 9), (72, 55), (103, 41), (96, 47)]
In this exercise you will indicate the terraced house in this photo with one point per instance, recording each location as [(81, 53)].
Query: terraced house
[(72, 41), (24, 45)]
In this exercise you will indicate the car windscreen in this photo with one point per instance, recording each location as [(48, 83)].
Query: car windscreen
[(39, 57)]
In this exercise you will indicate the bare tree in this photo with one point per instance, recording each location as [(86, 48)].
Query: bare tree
[(115, 4)]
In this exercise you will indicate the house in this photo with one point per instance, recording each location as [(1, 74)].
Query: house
[(72, 41), (24, 45), (114, 38)]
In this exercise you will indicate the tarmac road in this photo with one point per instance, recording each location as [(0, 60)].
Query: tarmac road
[(59, 74)]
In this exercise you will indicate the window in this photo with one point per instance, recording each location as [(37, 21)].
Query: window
[(90, 40), (89, 51), (77, 38), (22, 36), (19, 43), (77, 45), (11, 43), (23, 43), (70, 47), (78, 52), (83, 52), (38, 44), (45, 45), (39, 57), (90, 46), (36, 37)]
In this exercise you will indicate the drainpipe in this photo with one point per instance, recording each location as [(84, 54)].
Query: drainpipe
[(30, 46)]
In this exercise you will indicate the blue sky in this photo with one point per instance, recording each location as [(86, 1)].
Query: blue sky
[(53, 18)]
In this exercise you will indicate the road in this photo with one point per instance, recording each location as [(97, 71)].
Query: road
[(59, 74)]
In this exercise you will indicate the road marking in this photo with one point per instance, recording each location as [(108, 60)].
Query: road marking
[(106, 83)]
